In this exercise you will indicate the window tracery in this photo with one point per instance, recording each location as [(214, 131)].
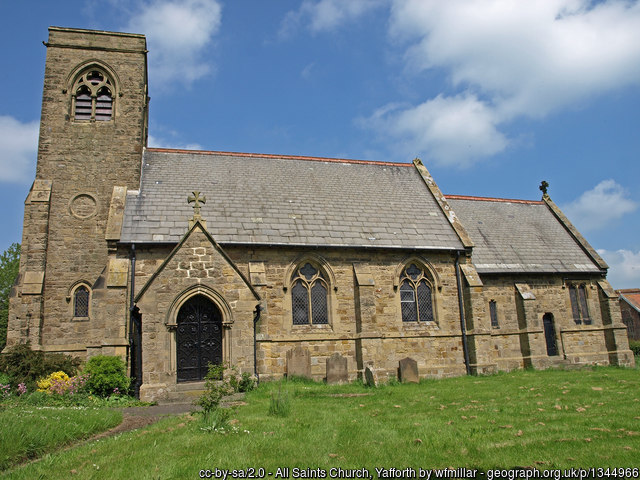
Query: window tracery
[(309, 289), (93, 96), (416, 298)]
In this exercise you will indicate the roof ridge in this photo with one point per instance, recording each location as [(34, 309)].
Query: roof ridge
[(285, 157), (493, 199)]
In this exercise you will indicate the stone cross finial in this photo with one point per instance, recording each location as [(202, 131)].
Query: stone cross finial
[(196, 199), (543, 187)]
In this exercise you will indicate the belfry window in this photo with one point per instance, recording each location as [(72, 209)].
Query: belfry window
[(578, 297), (93, 97), (309, 290), (416, 295), (81, 302)]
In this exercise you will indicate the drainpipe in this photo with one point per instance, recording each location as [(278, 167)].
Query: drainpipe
[(135, 326), (256, 319), (463, 327)]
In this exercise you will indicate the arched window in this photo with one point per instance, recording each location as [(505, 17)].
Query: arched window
[(416, 295), (81, 302), (309, 290), (578, 297), (93, 96)]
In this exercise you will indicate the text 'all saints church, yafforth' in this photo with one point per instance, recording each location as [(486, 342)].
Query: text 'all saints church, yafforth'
[(175, 259)]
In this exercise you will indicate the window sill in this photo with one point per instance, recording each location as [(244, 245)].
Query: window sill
[(421, 325), (312, 327)]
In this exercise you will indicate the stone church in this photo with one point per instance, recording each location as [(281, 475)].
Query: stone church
[(174, 259)]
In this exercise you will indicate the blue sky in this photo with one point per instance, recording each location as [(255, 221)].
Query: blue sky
[(493, 96)]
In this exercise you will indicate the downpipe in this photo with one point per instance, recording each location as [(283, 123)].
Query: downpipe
[(256, 319), (463, 327)]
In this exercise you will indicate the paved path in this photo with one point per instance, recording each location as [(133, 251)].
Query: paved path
[(161, 410)]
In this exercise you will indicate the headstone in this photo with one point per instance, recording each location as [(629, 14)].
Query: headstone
[(408, 371), (298, 362), (370, 377), (337, 369)]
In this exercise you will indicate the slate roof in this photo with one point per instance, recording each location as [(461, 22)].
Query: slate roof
[(518, 236), (269, 199)]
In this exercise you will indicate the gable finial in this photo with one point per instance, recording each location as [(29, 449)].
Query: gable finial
[(196, 199), (544, 185)]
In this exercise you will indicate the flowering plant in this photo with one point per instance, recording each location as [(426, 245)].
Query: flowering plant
[(60, 383), (5, 390)]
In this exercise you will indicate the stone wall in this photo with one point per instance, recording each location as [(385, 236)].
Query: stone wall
[(519, 341)]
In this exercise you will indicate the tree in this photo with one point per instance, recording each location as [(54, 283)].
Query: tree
[(9, 265)]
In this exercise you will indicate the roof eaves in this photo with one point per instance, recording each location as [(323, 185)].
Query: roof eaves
[(304, 245)]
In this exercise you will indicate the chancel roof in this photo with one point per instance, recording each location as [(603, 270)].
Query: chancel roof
[(519, 236), (283, 200)]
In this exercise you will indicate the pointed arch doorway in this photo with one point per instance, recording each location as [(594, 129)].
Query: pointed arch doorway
[(198, 338)]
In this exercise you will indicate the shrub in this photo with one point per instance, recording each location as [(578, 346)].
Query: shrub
[(106, 375), (24, 365), (634, 345), (223, 380)]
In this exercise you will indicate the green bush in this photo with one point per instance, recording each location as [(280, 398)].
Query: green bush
[(24, 365), (215, 387), (634, 345), (222, 380), (107, 376)]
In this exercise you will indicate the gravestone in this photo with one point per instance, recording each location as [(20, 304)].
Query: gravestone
[(370, 377), (408, 370), (337, 369), (298, 363)]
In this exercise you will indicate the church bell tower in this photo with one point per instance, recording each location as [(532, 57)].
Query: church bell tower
[(92, 133)]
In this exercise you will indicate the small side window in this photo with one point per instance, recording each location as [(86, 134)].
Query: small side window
[(81, 297), (493, 312)]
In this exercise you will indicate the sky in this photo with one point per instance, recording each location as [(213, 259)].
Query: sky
[(493, 95)]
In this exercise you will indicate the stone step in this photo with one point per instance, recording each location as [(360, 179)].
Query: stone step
[(188, 393), (190, 386)]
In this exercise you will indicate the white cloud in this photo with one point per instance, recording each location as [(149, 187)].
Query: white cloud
[(157, 142), (306, 71), (524, 59), (178, 34), (624, 271), (595, 208), (18, 150), (326, 15), (452, 130)]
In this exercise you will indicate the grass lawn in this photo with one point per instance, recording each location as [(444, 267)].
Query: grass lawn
[(542, 419), (28, 432)]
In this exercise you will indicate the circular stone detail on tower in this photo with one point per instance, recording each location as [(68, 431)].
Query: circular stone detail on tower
[(83, 206)]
